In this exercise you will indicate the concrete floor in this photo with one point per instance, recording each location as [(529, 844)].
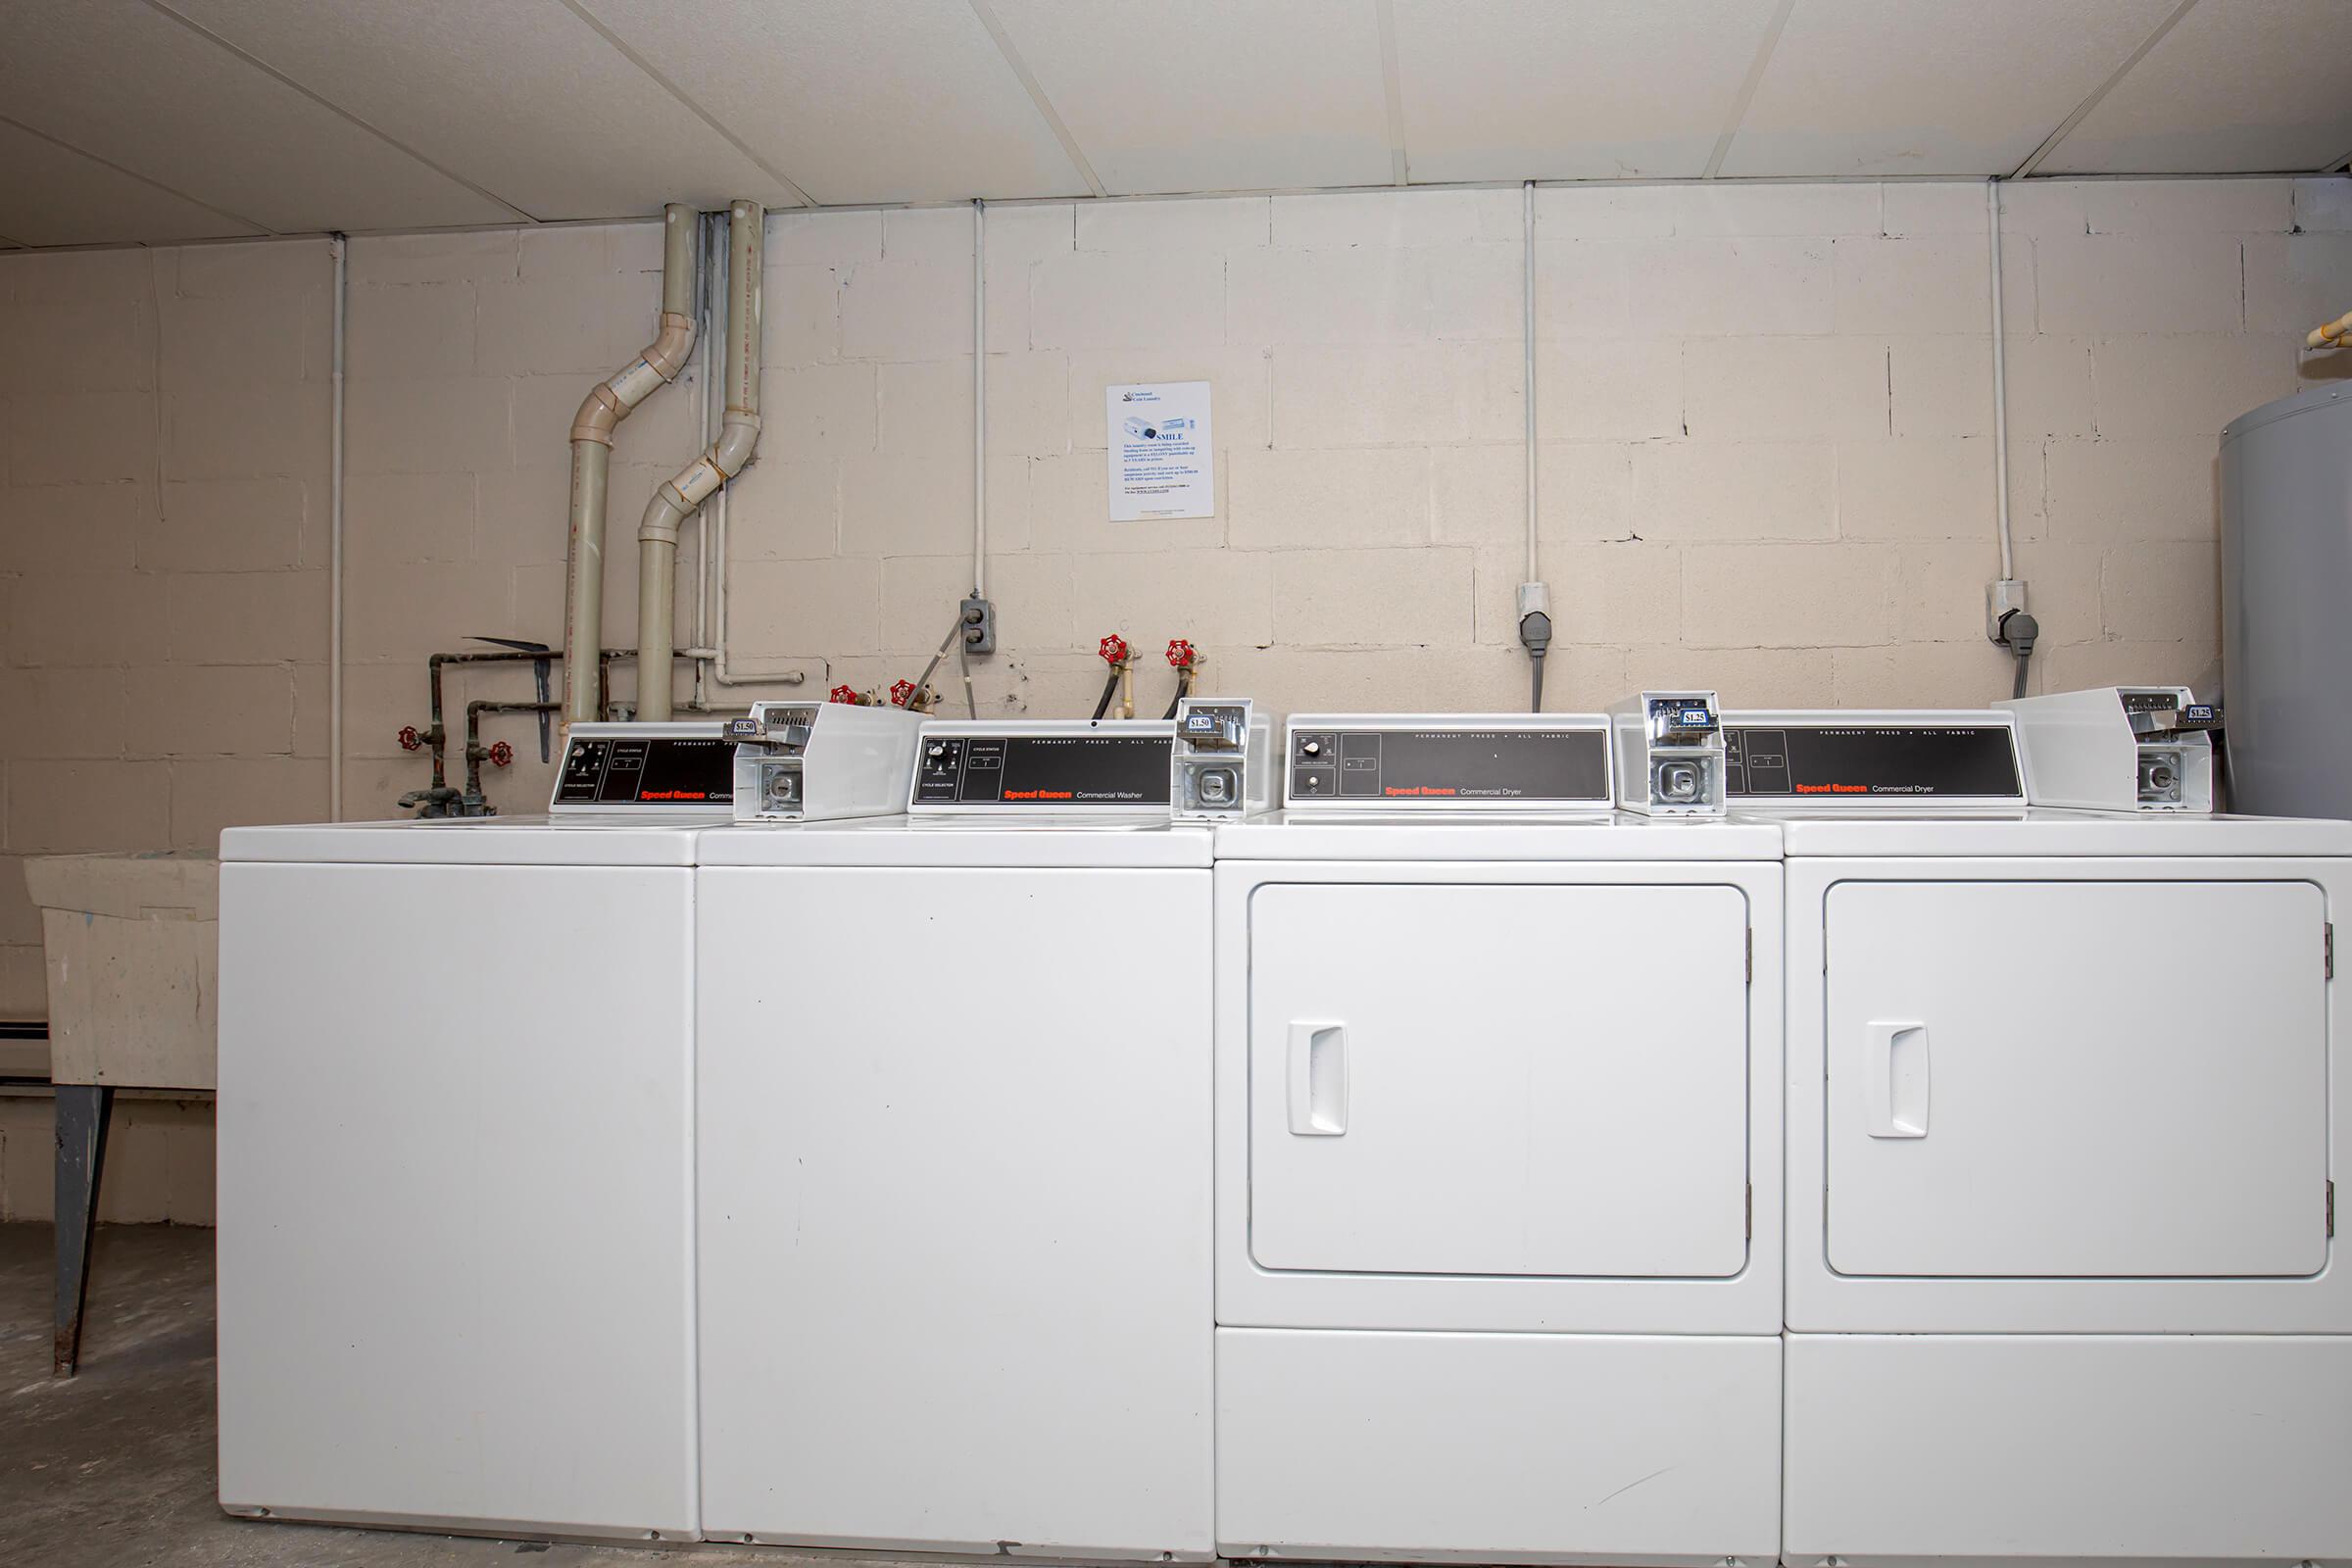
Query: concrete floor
[(114, 1468)]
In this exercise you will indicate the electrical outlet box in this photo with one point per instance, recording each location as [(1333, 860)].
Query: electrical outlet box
[(979, 626), (2001, 598)]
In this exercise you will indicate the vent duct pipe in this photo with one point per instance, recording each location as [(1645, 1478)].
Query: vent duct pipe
[(675, 501), (610, 402)]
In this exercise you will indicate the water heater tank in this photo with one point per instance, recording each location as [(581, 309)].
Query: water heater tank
[(2286, 605)]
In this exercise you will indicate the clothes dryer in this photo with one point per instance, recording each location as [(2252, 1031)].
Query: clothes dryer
[(1497, 1158), (2065, 1100)]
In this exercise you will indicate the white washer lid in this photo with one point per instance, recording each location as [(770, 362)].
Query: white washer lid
[(1033, 841), (2049, 830), (1307, 835), (471, 841)]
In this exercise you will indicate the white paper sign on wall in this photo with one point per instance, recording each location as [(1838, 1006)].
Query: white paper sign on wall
[(1163, 457)]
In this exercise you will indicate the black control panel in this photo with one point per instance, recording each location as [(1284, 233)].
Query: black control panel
[(1042, 771), (1835, 762), (687, 771), (1533, 767)]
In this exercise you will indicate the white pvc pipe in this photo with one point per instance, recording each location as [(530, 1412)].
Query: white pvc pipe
[(1527, 225), (726, 457), (979, 399), (2000, 381), (339, 248), (608, 404)]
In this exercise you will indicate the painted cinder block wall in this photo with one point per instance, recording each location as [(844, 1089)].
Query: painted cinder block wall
[(1765, 444)]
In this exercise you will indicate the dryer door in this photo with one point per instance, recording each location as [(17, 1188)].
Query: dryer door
[(2077, 1079), (1533, 1080)]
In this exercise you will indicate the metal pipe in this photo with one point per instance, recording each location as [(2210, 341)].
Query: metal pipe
[(979, 399), (677, 497), (2001, 379), (339, 247), (608, 404)]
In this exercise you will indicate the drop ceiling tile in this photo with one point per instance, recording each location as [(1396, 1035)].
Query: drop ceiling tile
[(52, 195), (1868, 87), (125, 83), (1212, 95), (1602, 89), (522, 97), (2239, 87), (853, 101)]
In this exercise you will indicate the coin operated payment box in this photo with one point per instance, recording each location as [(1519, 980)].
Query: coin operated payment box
[(816, 762), (1221, 764), (2119, 749), (1669, 748)]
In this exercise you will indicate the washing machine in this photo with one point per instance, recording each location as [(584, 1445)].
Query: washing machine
[(455, 1202), (1498, 1157), (953, 1151), (2065, 1099)]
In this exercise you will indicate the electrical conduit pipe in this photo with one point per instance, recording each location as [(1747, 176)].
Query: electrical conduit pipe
[(610, 402), (675, 501)]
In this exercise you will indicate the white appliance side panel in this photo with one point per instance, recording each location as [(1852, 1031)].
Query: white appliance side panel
[(1502, 1079), (954, 1152), (2078, 1079), (2007, 1448), (1498, 1448), (456, 1278)]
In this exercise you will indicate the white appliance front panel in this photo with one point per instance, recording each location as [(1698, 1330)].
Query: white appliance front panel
[(953, 1129), (1498, 1448), (1510, 1119), (1532, 1080), (456, 1268), (2078, 1079), (2064, 1096), (2006, 1449)]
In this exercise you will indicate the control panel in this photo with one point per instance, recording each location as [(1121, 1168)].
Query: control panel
[(645, 770), (1476, 762), (1220, 759), (1669, 754), (1827, 756), (1005, 766), (2119, 749), (801, 762)]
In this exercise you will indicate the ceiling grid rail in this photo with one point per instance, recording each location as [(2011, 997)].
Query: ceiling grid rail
[(792, 186), (2049, 143), (1392, 84), (1037, 95), (247, 58), (131, 174), (1747, 87)]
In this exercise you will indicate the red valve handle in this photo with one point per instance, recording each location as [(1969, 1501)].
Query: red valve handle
[(844, 694), (1181, 654), (409, 739), (902, 692), (501, 754), (1113, 649)]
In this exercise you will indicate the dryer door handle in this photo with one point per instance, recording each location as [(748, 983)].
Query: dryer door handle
[(1318, 1079), (1898, 1079)]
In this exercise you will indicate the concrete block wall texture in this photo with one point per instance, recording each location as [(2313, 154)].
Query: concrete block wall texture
[(163, 465), (1764, 438)]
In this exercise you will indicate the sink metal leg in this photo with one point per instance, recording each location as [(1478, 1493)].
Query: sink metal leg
[(80, 1151)]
